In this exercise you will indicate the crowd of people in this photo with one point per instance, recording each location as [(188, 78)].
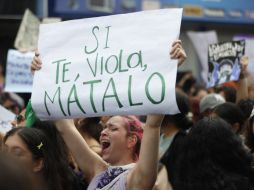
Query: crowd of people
[(209, 145)]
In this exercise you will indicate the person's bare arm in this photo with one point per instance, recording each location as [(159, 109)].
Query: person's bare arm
[(177, 52), (88, 161), (242, 84), (144, 175), (36, 62)]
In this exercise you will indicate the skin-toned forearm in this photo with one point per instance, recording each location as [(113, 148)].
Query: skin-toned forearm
[(177, 52), (146, 167), (242, 84), (242, 88), (88, 161)]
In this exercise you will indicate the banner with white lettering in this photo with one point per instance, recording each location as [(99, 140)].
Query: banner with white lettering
[(18, 73), (110, 65), (224, 62)]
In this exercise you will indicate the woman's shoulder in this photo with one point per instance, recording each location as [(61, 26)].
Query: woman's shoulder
[(112, 178)]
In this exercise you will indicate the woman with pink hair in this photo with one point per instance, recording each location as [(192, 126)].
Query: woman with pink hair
[(126, 162)]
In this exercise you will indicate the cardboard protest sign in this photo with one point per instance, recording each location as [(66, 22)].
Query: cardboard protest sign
[(207, 37), (107, 66), (18, 74), (6, 117), (224, 62), (48, 20), (27, 36)]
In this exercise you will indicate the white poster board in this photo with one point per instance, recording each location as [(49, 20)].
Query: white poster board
[(6, 117), (107, 66), (18, 73), (249, 51), (200, 41)]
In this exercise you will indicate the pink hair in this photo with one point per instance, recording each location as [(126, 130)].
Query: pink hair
[(134, 127)]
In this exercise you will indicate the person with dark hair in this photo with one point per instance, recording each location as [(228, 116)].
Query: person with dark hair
[(228, 93), (66, 164), (246, 105), (32, 147), (231, 114), (185, 81), (90, 129), (63, 158), (13, 174), (68, 169), (12, 102), (249, 133), (19, 119), (213, 158), (173, 131), (199, 92)]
